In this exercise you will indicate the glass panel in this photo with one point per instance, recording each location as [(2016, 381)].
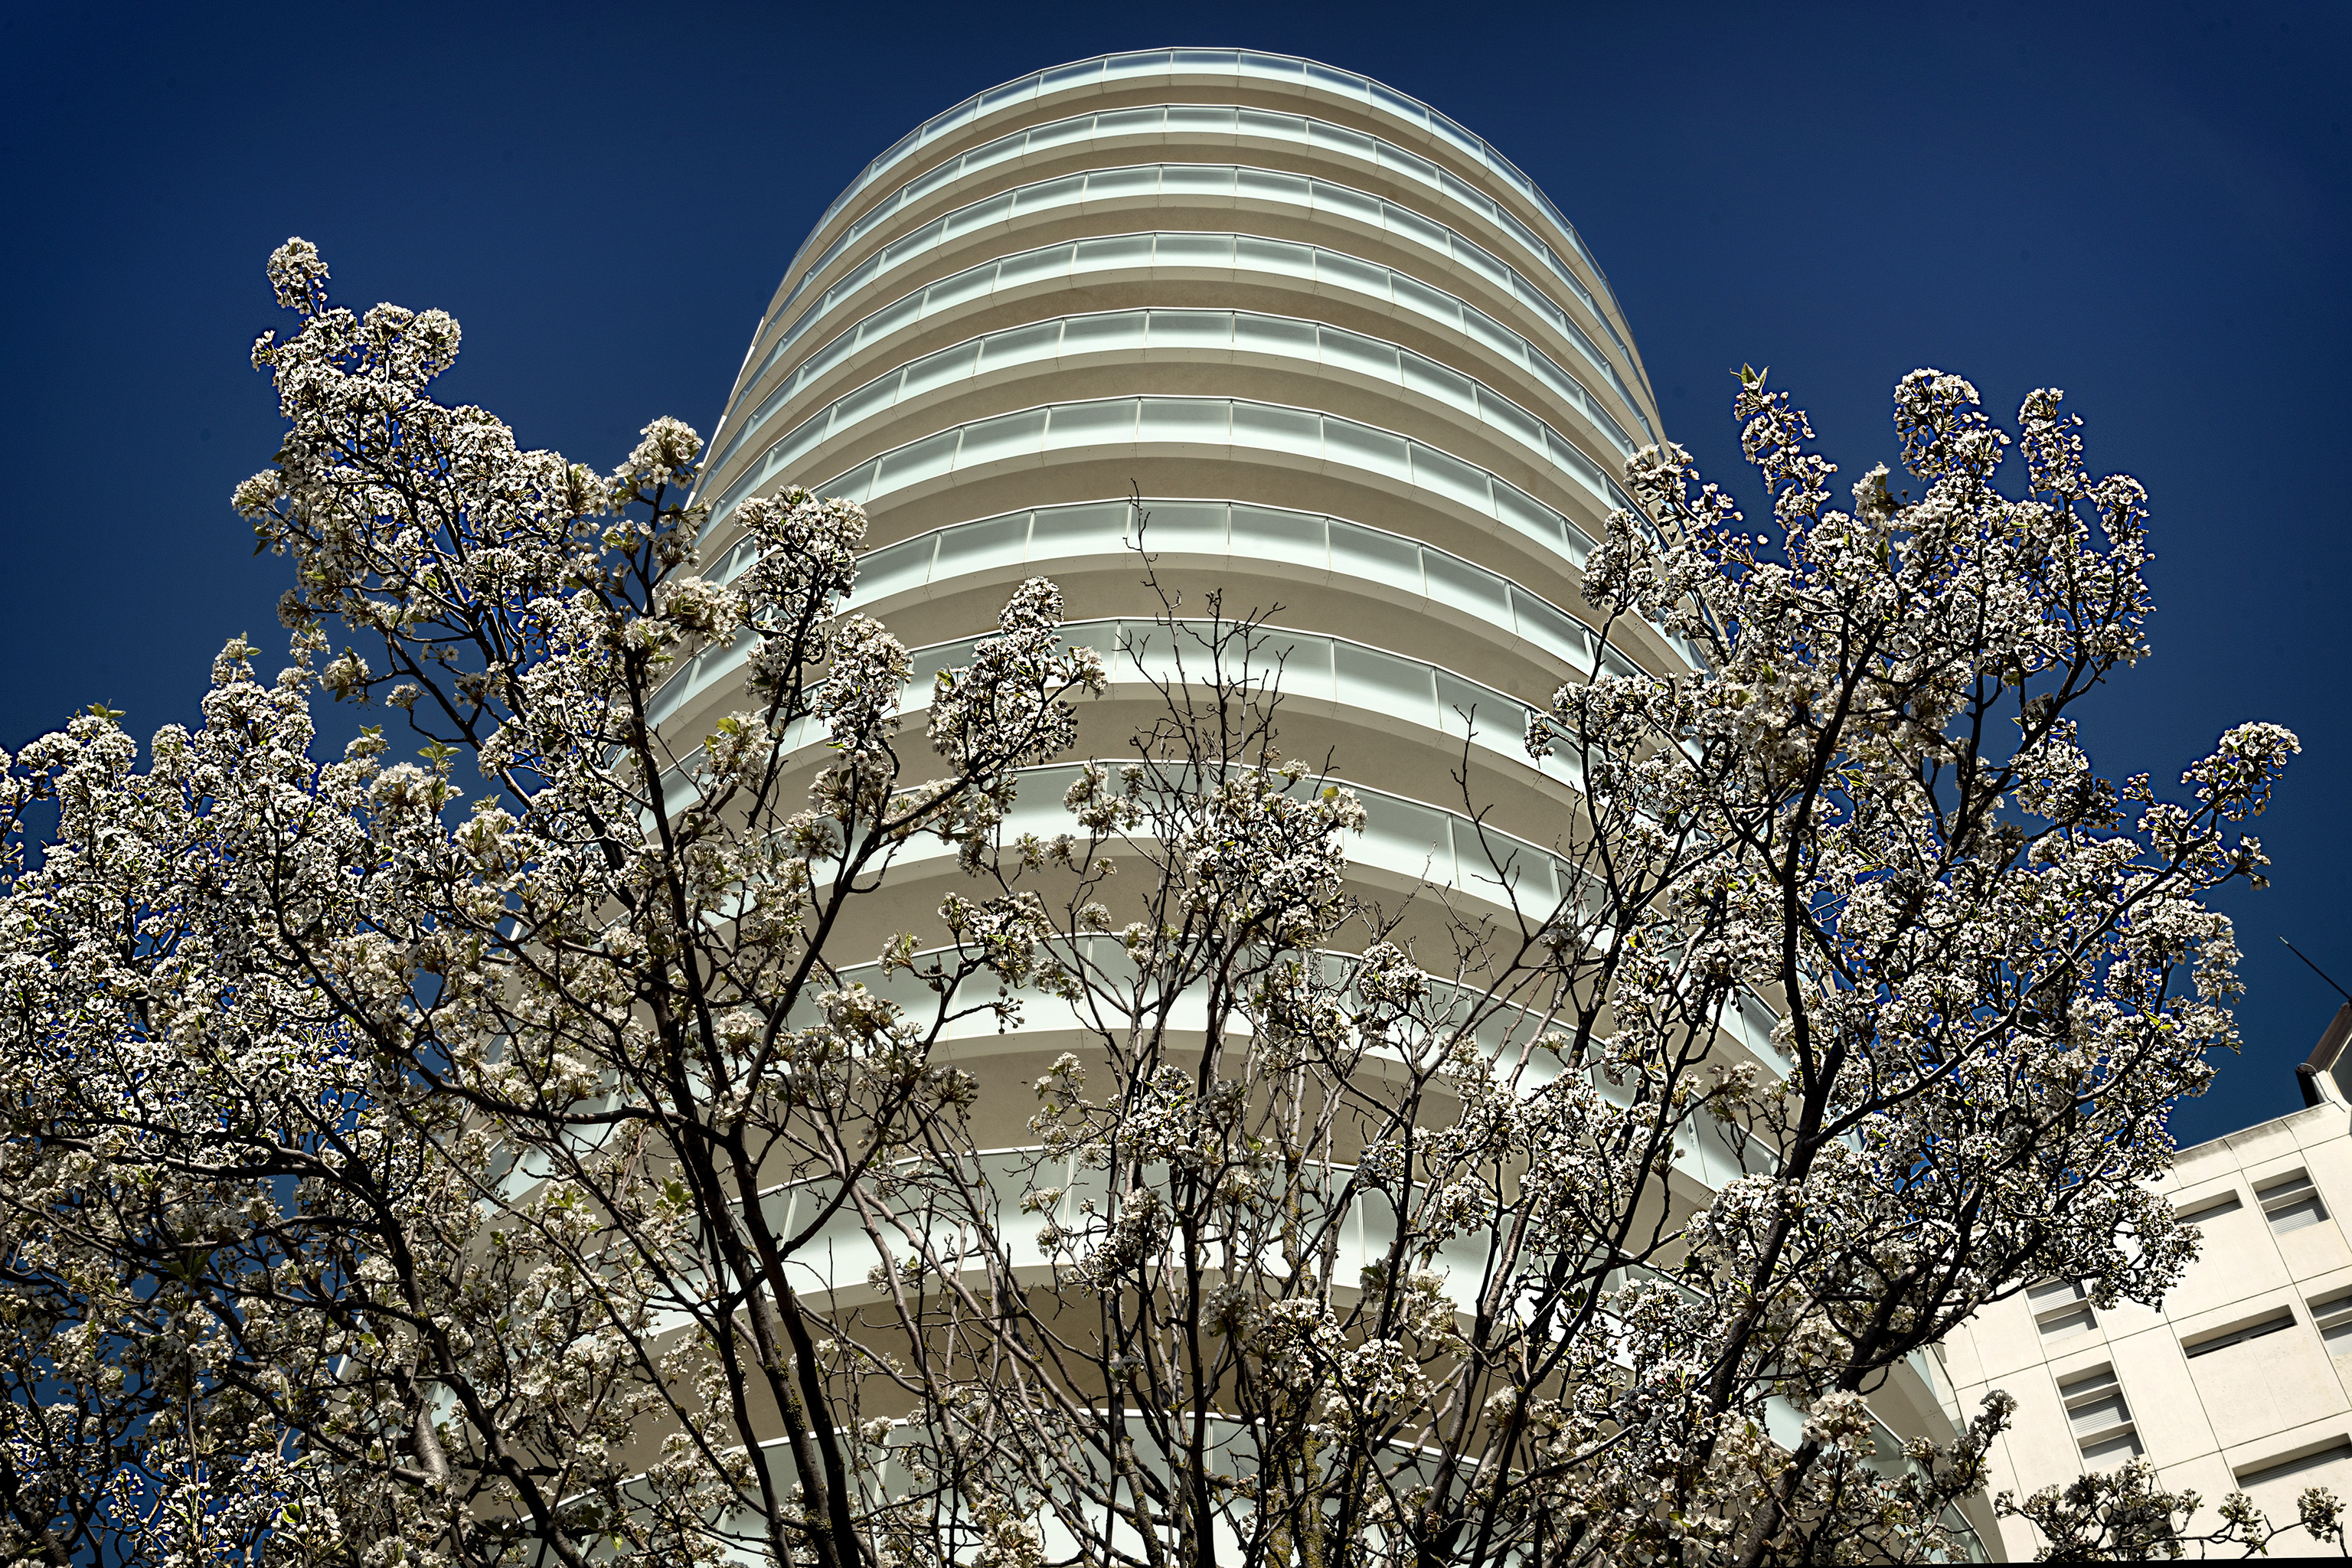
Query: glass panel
[(1197, 528), (1420, 297), (1078, 529), (1345, 83), (889, 318), (1448, 387), (1205, 117), (1465, 707), (1008, 434), (1281, 335), (2123, 1446), (1541, 624), (1117, 250), (1279, 67), (894, 569), (1395, 157), (1397, 104), (1331, 267), (1362, 447), (1103, 334), (1383, 683), (923, 459), (1084, 424), (1145, 64), (1059, 133), (1127, 121), (1406, 223), (1450, 476), (1275, 256), (1377, 557), (1109, 185), (1342, 202), (996, 209), (856, 485), (1501, 413), (1465, 587), (1353, 350), (2339, 1336), (1197, 179), (1323, 133), (869, 398), (1192, 329), (1301, 663), (1070, 76), (1266, 185), (1044, 194), (1276, 429), (994, 542), (1271, 534), (1011, 92), (1193, 250), (1478, 259), (948, 364), (1191, 420)]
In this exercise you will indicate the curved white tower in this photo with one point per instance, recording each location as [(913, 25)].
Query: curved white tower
[(1363, 376)]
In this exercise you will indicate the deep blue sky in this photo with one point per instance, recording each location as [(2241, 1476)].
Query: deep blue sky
[(2144, 204)]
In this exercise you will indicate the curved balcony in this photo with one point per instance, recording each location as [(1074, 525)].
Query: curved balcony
[(1183, 121), (1305, 267), (1105, 71), (1237, 337), (1216, 427), (1371, 683), (1212, 186), (1370, 559)]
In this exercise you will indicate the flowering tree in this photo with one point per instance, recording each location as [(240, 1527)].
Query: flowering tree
[(1394, 1253), (393, 1171), (376, 1155)]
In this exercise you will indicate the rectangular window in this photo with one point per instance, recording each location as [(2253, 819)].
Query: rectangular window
[(2333, 1317), (2099, 1418), (2282, 1319), (2206, 1210), (2280, 1469), (2061, 1308), (2291, 1202)]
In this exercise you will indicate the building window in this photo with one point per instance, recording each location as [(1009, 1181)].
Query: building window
[(2291, 1202), (2206, 1210), (2100, 1420), (2061, 1308), (2279, 1469), (2282, 1319), (2333, 1317)]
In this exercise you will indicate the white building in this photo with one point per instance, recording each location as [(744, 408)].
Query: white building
[(2240, 1382)]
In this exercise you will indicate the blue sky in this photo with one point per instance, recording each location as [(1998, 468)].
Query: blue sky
[(2145, 204)]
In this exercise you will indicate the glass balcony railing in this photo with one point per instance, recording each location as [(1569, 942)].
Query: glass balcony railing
[(1164, 121), (1324, 270), (1107, 70), (1287, 540), (1232, 427), (1068, 342), (1211, 185)]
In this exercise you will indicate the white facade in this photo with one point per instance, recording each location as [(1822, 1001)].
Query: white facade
[(2243, 1380)]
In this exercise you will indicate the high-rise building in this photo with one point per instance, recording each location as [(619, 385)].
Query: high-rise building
[(2240, 1382), (1339, 359)]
